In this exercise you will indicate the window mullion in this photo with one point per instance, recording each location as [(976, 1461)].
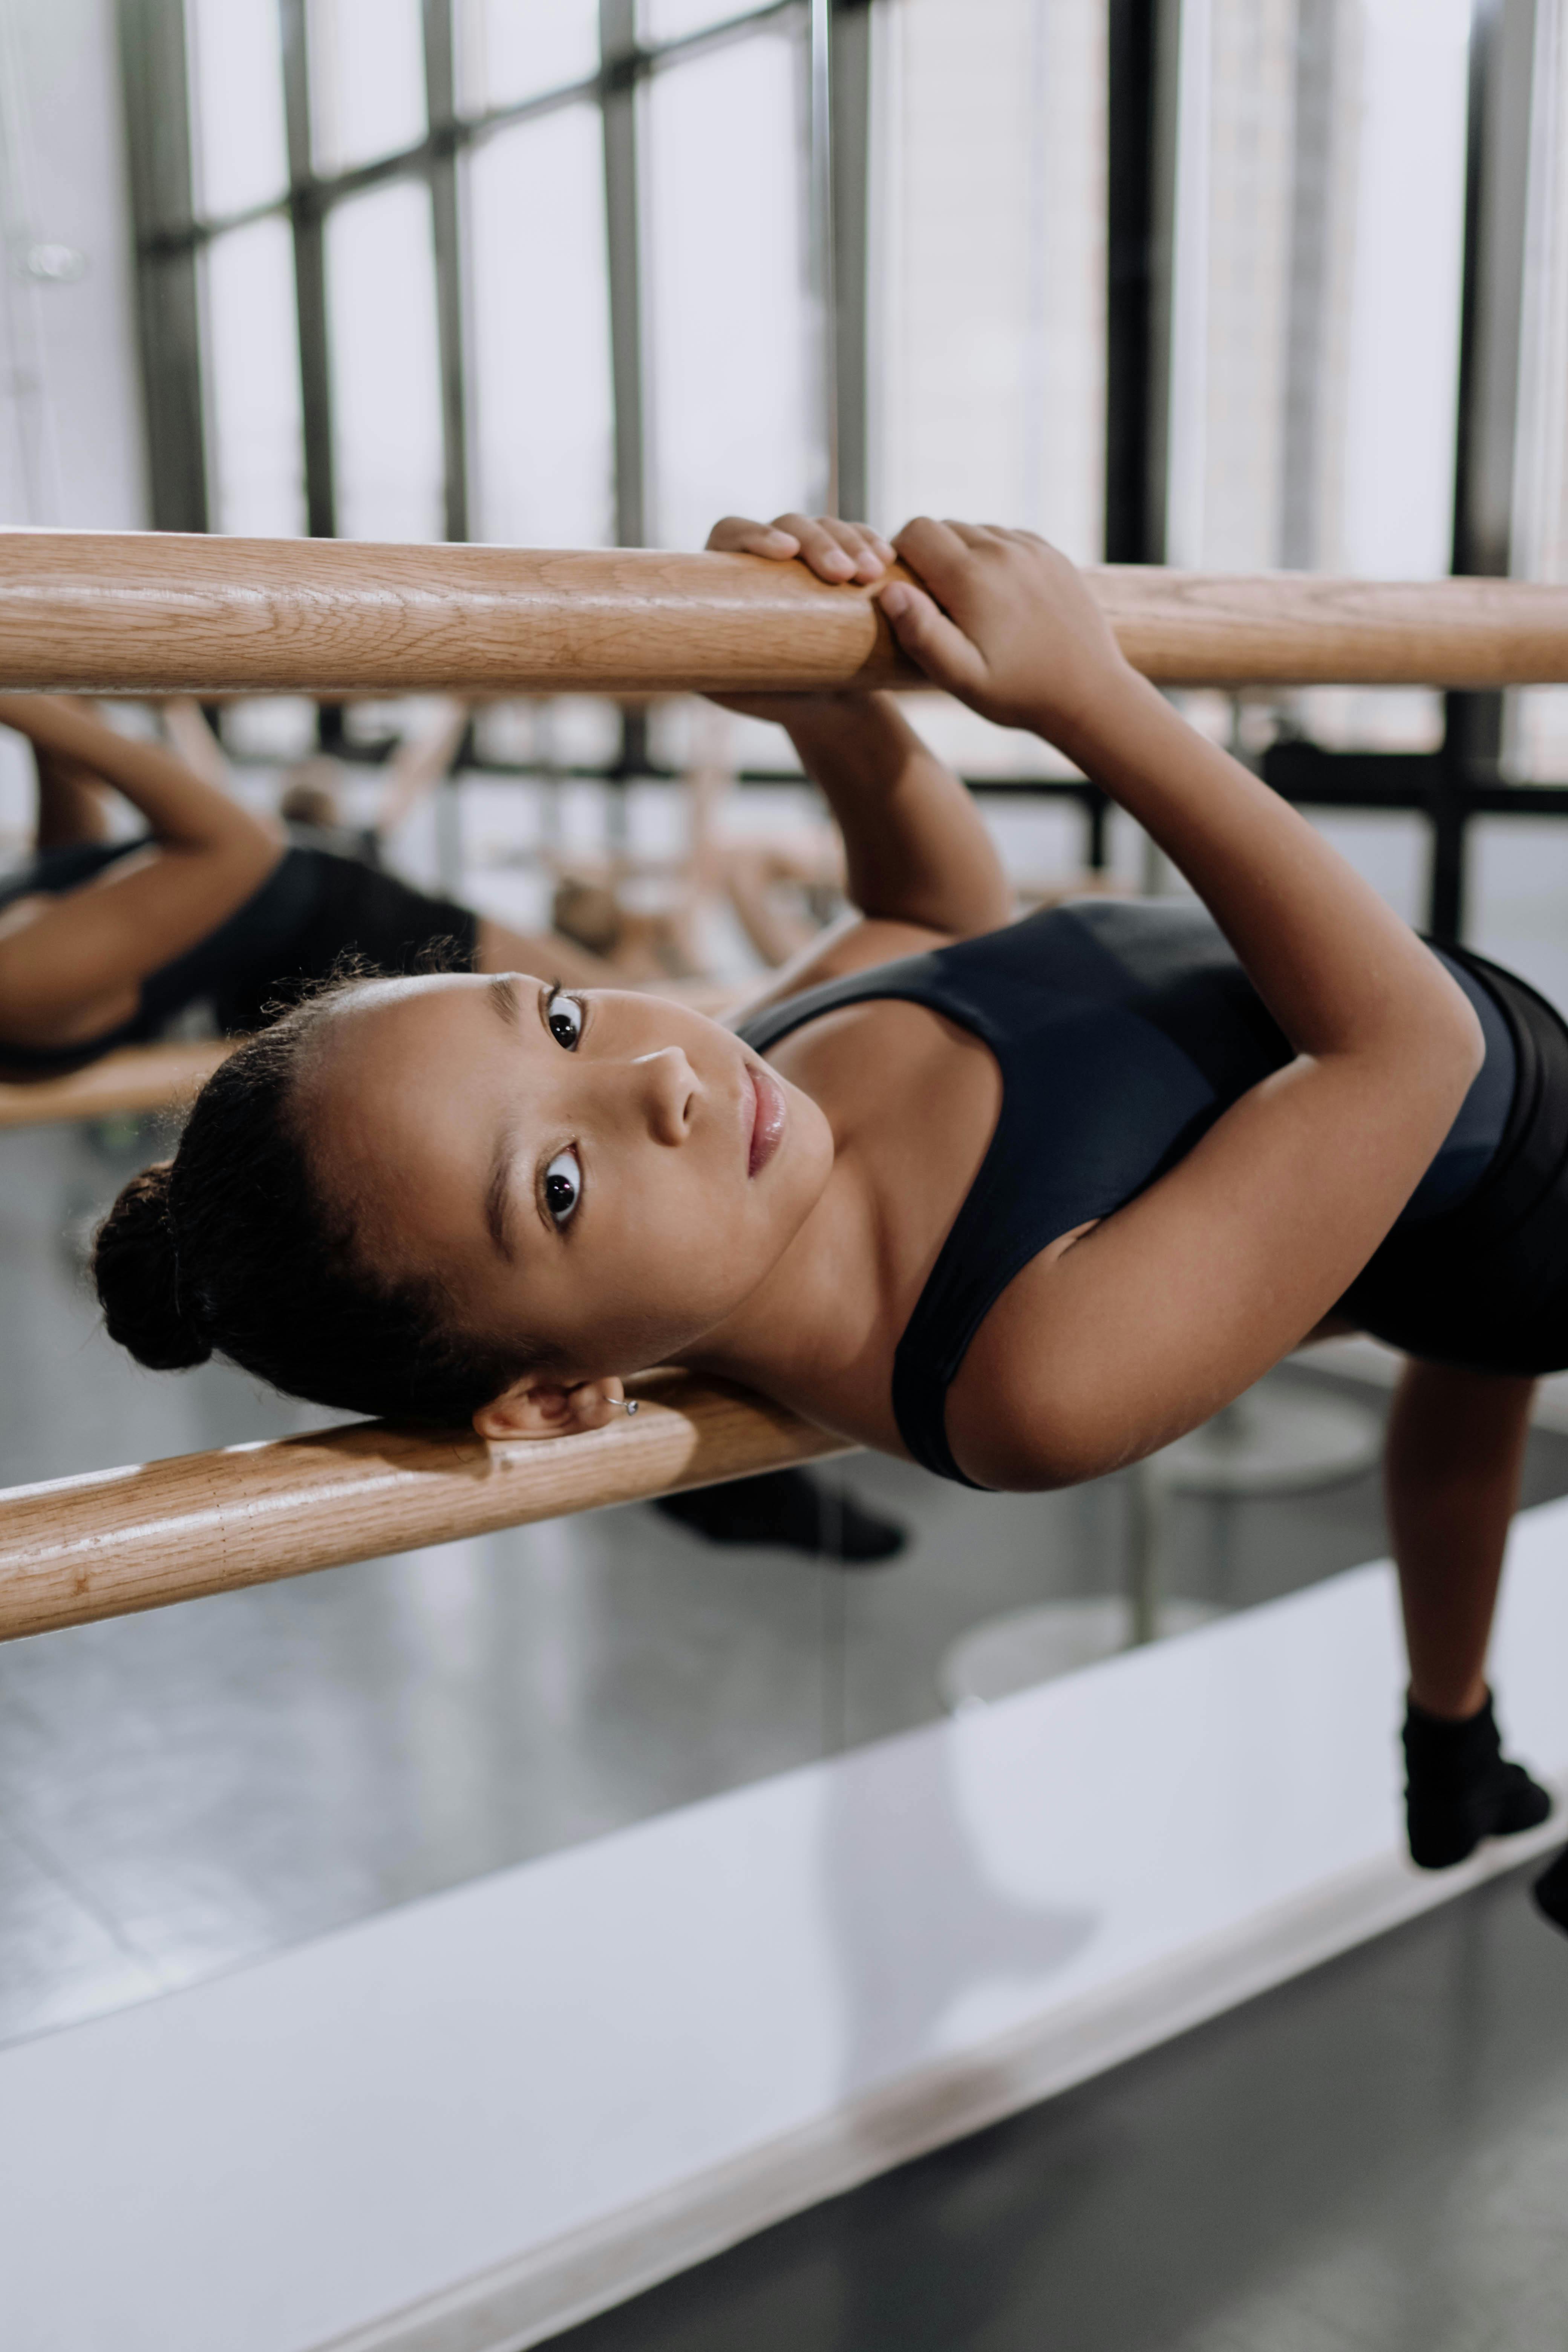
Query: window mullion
[(617, 37), (307, 215), (851, 89), (441, 97), (157, 105)]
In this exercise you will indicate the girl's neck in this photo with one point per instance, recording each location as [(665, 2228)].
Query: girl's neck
[(816, 1312)]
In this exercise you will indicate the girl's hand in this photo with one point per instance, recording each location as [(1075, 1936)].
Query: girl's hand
[(1004, 623), (839, 552)]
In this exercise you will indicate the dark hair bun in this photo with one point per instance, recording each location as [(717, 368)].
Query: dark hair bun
[(136, 1269)]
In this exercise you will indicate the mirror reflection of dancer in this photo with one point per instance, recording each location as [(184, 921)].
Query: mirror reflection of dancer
[(1022, 1201)]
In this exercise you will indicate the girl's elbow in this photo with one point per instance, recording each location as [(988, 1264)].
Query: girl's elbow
[(1465, 1041), (1444, 1046)]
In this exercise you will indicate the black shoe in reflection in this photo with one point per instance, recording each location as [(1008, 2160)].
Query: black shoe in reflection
[(792, 1509)]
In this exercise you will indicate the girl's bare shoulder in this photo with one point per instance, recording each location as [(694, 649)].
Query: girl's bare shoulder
[(856, 945)]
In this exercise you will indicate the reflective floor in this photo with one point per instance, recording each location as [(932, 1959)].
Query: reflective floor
[(189, 1789), (1373, 2159)]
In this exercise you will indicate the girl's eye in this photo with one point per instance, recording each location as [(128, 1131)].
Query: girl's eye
[(563, 1185), (564, 1018)]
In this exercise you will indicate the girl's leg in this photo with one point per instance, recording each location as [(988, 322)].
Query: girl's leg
[(1455, 1453)]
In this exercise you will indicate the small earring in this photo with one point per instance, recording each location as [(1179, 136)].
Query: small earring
[(632, 1403)]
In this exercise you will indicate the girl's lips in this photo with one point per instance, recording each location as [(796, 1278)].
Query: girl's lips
[(768, 1124)]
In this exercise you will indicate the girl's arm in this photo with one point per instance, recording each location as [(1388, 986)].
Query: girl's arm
[(184, 810), (1161, 1313), (69, 965), (917, 854), (193, 742), (916, 848), (419, 763), (1027, 645)]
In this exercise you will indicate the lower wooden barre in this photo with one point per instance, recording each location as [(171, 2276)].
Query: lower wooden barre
[(138, 1078), (115, 1541), (149, 611)]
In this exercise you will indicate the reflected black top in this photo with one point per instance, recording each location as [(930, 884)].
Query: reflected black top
[(311, 909), (258, 933), (1122, 1030)]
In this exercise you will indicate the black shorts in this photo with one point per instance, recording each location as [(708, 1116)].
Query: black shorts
[(328, 909), (1486, 1285)]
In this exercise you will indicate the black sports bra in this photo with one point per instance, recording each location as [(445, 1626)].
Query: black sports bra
[(1122, 1030)]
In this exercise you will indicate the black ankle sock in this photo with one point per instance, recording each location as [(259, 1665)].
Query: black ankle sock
[(1460, 1787)]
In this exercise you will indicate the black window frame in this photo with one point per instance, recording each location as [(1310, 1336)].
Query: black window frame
[(1449, 787)]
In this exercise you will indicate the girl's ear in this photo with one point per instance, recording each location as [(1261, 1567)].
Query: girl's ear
[(539, 1406)]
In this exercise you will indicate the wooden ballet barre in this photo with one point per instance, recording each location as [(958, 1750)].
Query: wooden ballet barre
[(150, 613), (114, 1541), (137, 1078)]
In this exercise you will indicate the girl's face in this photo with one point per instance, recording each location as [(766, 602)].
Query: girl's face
[(598, 1175)]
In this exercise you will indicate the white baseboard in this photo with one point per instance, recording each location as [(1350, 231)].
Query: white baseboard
[(526, 2303)]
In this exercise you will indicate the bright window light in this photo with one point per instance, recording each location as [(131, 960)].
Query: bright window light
[(736, 425), (240, 152), (509, 51), (255, 445), (1318, 249), (543, 439), (670, 20), (987, 279), (367, 80), (386, 390), (1538, 734), (1402, 393)]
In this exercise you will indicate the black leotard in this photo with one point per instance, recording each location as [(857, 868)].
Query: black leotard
[(1122, 1030), (313, 908)]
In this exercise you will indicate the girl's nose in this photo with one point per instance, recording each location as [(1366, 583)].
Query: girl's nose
[(669, 1088)]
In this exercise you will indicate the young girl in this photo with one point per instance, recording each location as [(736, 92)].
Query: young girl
[(1020, 1202)]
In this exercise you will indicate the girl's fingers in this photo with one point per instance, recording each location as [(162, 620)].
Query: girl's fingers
[(819, 547), (838, 550), (924, 631), (835, 551), (739, 535), (859, 545), (934, 550)]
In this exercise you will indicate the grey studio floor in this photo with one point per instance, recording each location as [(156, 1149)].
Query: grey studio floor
[(1372, 2157)]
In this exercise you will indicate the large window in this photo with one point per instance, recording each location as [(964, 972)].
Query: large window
[(546, 271), (1227, 283)]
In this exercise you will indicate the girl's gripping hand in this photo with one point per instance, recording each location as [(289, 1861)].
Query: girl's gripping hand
[(1006, 623), (837, 551)]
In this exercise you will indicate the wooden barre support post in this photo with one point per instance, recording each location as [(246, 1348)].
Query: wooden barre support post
[(114, 1541), (138, 1078), (149, 612)]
